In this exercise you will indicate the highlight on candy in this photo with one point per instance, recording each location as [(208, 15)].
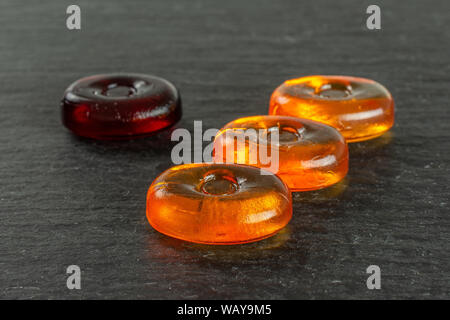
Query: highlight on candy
[(232, 142)]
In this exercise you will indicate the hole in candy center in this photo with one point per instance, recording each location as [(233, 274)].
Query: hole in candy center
[(115, 90), (334, 91), (219, 182), (285, 134)]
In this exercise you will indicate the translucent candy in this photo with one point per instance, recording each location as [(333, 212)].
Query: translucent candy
[(359, 108), (218, 203), (120, 106), (307, 155)]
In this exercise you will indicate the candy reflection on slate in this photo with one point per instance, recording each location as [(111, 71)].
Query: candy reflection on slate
[(218, 203), (310, 155), (359, 108), (120, 106)]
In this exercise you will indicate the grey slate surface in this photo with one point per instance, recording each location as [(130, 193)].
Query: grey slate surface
[(65, 200)]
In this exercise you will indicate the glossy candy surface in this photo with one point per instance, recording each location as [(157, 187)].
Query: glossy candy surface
[(359, 108), (120, 106), (218, 203), (310, 155)]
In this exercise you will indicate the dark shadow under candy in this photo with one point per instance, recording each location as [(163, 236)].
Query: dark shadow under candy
[(120, 106)]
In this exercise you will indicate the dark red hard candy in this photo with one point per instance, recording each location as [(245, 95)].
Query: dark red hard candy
[(120, 106)]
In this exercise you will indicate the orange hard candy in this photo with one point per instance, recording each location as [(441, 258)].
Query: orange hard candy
[(305, 154), (361, 109), (218, 203)]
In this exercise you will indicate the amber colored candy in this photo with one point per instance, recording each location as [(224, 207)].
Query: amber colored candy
[(311, 155), (218, 203), (120, 106), (361, 109)]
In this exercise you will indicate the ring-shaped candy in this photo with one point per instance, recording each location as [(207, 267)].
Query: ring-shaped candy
[(361, 109), (120, 106), (218, 203), (305, 154)]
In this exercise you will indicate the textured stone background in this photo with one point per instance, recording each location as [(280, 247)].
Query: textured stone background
[(65, 200)]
